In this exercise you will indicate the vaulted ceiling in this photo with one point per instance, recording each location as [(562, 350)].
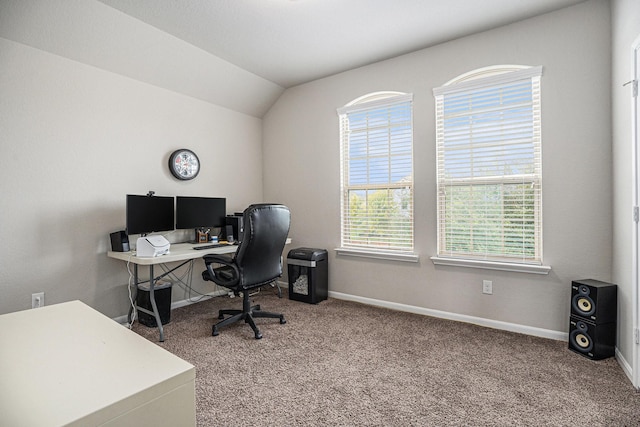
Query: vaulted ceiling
[(295, 41), (241, 54)]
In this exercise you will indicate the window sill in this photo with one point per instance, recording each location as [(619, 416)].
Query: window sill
[(492, 265), (392, 256)]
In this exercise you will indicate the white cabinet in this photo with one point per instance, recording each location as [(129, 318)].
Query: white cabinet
[(67, 364)]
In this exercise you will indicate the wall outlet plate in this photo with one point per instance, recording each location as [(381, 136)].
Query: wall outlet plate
[(37, 300), (487, 287)]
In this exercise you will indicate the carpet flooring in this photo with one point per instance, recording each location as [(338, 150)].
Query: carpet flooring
[(340, 363)]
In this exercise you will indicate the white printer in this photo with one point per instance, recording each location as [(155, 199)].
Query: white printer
[(152, 246)]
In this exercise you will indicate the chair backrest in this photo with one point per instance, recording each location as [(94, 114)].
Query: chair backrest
[(259, 256)]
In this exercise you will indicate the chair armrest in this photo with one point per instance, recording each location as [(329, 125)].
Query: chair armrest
[(218, 259), (227, 276)]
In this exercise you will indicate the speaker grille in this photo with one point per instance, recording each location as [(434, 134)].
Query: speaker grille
[(595, 341), (580, 337), (583, 305), (594, 300)]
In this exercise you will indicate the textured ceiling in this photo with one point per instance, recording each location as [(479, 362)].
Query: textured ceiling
[(290, 42), (242, 54)]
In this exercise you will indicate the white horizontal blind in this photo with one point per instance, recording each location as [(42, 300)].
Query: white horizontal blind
[(377, 174), (489, 168)]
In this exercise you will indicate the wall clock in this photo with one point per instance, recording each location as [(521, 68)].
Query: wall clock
[(184, 164)]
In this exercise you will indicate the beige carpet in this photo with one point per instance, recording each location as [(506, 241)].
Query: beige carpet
[(341, 363)]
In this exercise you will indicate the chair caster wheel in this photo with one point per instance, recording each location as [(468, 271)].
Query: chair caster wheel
[(258, 335), (220, 316), (215, 332), (282, 320)]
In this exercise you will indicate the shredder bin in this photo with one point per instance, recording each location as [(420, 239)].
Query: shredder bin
[(162, 292), (308, 275)]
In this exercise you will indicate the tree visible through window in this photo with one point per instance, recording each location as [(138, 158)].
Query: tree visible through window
[(489, 165), (377, 173)]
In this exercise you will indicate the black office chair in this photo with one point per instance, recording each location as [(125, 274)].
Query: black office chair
[(257, 262)]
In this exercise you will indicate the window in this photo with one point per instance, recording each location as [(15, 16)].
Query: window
[(489, 166), (376, 139)]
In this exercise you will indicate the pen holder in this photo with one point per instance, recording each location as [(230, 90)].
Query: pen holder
[(202, 236)]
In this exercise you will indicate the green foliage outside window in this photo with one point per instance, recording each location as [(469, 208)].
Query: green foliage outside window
[(380, 218), (491, 219)]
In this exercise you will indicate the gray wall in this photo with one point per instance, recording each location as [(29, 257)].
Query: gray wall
[(75, 140), (625, 30), (301, 152)]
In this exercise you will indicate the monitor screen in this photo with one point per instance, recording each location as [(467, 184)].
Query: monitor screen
[(200, 212), (146, 214)]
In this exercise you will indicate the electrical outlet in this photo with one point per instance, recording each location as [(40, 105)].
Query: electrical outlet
[(37, 300), (487, 287)]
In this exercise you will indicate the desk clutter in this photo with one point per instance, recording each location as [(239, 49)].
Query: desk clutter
[(145, 214)]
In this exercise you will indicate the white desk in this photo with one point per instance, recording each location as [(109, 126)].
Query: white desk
[(69, 365), (179, 252)]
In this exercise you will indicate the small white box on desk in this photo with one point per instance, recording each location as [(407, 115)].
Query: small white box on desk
[(152, 246)]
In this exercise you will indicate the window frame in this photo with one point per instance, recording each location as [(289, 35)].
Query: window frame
[(371, 103), (470, 84)]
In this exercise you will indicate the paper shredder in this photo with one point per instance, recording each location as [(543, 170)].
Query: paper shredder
[(308, 275)]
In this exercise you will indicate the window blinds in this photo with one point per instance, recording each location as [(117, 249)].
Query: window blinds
[(377, 174), (489, 168)]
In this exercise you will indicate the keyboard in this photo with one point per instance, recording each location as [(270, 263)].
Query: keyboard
[(215, 245)]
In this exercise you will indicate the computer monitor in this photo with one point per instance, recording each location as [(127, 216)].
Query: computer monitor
[(148, 214), (200, 212)]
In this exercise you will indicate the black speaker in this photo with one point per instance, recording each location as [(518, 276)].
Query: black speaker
[(594, 301), (119, 241), (227, 233), (595, 341), (236, 222)]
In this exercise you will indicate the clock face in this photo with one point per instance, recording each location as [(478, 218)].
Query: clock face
[(184, 164)]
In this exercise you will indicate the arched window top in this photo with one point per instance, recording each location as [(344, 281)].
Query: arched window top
[(479, 73), (374, 96), (488, 76), (374, 99)]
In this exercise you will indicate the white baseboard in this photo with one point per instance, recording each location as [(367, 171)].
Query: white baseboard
[(626, 368), (495, 324), (121, 320)]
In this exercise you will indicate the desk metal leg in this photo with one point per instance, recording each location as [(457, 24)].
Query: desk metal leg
[(134, 294), (152, 299)]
